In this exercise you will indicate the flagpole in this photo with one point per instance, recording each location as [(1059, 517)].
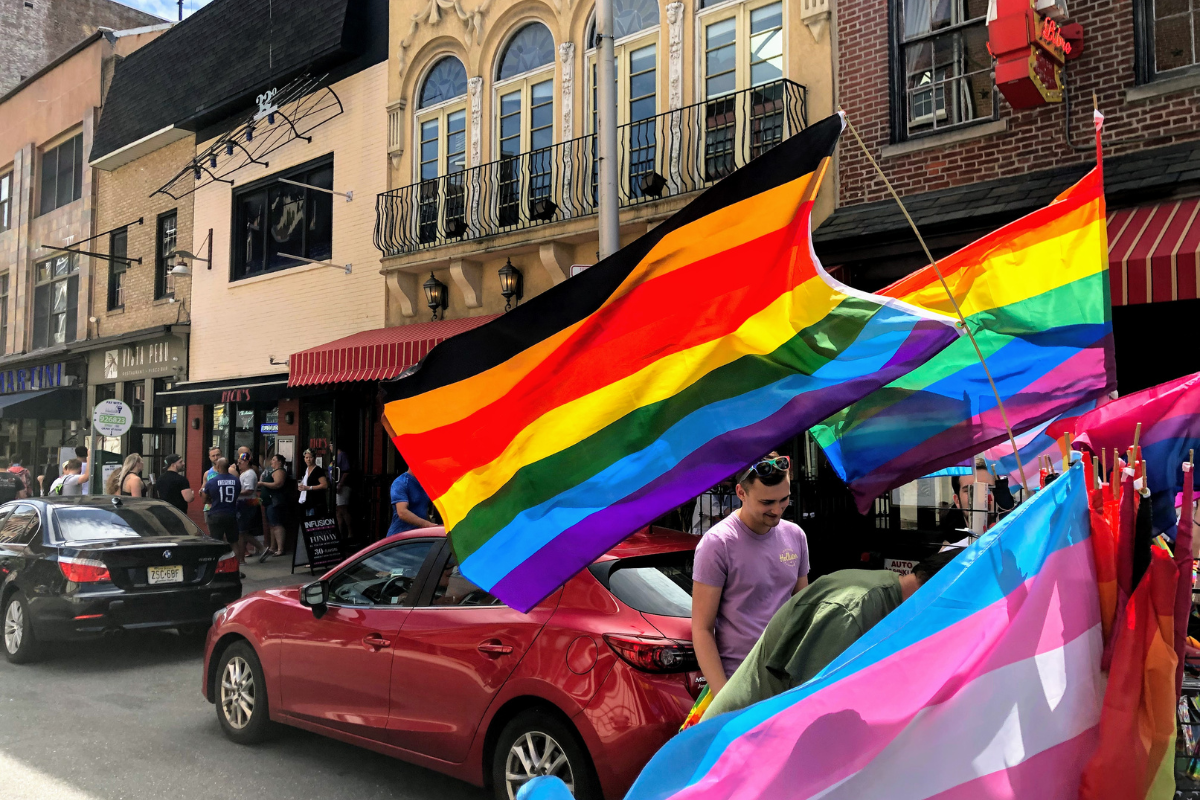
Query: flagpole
[(606, 122), (933, 263)]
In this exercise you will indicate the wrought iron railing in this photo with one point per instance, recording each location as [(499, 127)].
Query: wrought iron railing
[(670, 154)]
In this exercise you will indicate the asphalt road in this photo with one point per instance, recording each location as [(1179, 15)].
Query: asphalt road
[(123, 719)]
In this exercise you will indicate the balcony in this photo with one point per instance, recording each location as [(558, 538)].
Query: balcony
[(670, 154)]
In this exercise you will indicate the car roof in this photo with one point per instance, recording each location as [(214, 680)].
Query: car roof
[(101, 500), (647, 541)]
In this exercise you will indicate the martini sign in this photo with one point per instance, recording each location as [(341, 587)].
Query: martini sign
[(112, 418)]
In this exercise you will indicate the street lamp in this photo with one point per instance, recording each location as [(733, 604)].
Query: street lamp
[(510, 283), (436, 295)]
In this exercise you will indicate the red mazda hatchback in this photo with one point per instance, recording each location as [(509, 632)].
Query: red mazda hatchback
[(396, 651)]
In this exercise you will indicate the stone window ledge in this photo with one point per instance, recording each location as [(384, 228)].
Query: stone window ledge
[(1162, 87), (942, 139)]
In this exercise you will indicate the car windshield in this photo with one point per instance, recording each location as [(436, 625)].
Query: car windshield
[(659, 584), (96, 523)]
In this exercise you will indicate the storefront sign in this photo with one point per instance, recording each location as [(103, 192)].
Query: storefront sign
[(321, 545), (899, 566), (31, 379), (1030, 50), (112, 418), (163, 357), (269, 427), (235, 396)]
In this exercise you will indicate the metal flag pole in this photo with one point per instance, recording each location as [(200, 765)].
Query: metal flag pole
[(606, 121), (962, 320)]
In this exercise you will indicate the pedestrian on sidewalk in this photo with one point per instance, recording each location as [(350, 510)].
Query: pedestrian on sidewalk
[(746, 567), (173, 485), (410, 505), (248, 512), (127, 481), (271, 490), (214, 455), (24, 480), (314, 488), (71, 482), (341, 463), (81, 453), (221, 494)]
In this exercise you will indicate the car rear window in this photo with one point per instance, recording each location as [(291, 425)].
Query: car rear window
[(94, 523), (658, 584)]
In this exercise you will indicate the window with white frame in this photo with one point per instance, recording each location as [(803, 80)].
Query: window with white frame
[(5, 201), (947, 77), (742, 69), (442, 150), (635, 34), (524, 121), (55, 300), (1173, 28)]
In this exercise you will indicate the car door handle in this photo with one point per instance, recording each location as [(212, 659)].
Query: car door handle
[(376, 641), (495, 649)]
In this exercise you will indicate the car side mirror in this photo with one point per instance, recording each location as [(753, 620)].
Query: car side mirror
[(315, 595)]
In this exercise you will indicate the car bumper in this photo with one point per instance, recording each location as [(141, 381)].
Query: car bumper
[(86, 615)]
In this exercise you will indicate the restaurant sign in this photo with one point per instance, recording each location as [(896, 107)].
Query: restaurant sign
[(163, 357), (1030, 50), (32, 379)]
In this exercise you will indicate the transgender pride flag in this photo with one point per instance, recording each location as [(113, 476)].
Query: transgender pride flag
[(986, 683)]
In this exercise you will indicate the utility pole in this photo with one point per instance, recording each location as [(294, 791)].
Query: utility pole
[(606, 120), (181, 10)]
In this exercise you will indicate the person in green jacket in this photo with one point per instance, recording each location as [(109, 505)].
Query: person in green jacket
[(816, 626)]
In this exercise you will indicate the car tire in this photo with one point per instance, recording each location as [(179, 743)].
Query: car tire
[(20, 645), (524, 744), (241, 695)]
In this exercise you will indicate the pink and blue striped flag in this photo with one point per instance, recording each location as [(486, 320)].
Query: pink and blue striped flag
[(1035, 444), (986, 683)]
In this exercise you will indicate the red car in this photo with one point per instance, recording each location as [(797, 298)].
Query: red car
[(396, 651)]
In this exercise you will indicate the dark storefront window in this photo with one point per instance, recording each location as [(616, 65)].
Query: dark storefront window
[(3, 313), (62, 174), (164, 416), (945, 70), (118, 248), (273, 219), (135, 398), (55, 301), (164, 246)]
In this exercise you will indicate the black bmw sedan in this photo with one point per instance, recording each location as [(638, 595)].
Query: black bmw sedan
[(78, 567)]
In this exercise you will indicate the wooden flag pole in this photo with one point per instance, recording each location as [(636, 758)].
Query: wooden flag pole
[(933, 263)]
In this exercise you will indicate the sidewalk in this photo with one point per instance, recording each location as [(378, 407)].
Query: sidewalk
[(276, 572)]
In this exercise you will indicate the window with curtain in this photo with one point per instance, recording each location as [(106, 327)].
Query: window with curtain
[(118, 248), (62, 174), (165, 241), (442, 150), (55, 300), (947, 77)]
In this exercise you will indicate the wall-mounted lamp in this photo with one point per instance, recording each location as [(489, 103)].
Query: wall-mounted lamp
[(511, 282), (436, 296), (195, 423), (289, 417), (182, 257)]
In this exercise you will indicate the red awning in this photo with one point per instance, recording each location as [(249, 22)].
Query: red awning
[(1154, 253), (374, 355)]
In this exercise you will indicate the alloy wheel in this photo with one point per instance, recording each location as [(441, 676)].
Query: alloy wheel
[(14, 626), (533, 755), (237, 692)]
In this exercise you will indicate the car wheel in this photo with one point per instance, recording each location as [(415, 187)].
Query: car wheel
[(535, 743), (241, 694), (20, 646)]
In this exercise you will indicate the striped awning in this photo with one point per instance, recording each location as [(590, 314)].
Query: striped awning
[(374, 355), (1154, 253)]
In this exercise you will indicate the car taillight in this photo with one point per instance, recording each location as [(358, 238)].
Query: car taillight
[(83, 570), (653, 655), (228, 565)]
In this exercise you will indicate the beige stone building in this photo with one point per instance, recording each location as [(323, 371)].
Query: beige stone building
[(48, 230), (491, 117)]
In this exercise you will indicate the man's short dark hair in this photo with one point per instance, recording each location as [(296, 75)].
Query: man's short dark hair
[(929, 566), (749, 476), (74, 465), (81, 452)]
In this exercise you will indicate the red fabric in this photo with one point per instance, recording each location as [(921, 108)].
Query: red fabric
[(1126, 537), (1153, 252), (1183, 591), (374, 355)]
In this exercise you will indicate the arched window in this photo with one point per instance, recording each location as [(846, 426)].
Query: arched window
[(629, 17), (446, 81), (532, 47)]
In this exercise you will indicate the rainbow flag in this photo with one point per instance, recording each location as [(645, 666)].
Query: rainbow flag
[(1033, 444), (986, 683), (550, 434), (1036, 295)]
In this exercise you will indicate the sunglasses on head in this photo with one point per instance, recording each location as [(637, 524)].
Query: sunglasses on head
[(769, 466)]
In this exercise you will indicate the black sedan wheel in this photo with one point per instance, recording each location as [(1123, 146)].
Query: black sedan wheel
[(534, 744), (242, 695), (20, 647)]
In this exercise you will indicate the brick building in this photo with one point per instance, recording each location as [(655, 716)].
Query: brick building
[(47, 227), (36, 32), (916, 80)]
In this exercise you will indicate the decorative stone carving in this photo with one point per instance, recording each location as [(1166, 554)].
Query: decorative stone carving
[(566, 54), (815, 14), (432, 14), (404, 292), (675, 55), (475, 93), (468, 277), (556, 260)]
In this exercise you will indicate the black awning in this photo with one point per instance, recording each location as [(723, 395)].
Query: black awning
[(256, 389), (65, 402)]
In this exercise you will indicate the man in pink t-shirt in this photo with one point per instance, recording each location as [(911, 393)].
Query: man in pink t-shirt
[(747, 566)]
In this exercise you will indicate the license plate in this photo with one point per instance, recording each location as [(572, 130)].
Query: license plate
[(172, 574)]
